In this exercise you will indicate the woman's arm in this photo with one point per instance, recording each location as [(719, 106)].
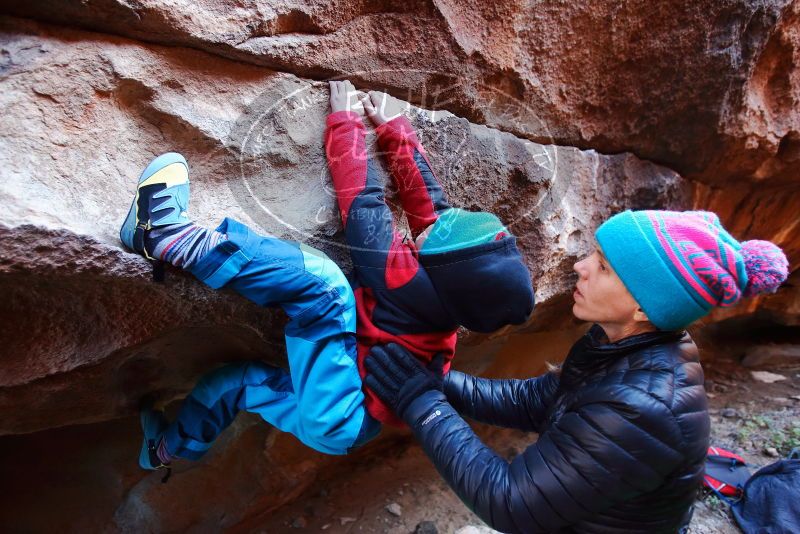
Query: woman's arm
[(588, 461), (512, 403), (618, 443)]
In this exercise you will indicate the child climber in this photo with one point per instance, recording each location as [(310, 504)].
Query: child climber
[(320, 400), (462, 269), (475, 277)]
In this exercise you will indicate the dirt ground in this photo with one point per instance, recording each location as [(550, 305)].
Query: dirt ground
[(400, 492), (755, 419)]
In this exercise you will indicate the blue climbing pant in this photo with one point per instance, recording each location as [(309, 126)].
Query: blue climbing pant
[(320, 399)]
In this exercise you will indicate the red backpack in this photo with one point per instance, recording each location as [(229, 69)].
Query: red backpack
[(726, 473)]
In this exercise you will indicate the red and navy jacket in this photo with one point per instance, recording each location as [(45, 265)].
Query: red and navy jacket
[(395, 298)]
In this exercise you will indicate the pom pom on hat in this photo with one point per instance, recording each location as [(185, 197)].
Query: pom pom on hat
[(766, 266)]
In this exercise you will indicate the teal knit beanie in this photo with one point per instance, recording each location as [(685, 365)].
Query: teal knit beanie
[(679, 265), (456, 229)]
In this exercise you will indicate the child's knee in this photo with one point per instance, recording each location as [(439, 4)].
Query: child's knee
[(332, 308), (330, 435), (333, 414), (227, 379), (320, 265)]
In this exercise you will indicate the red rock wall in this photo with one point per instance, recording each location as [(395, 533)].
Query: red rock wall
[(552, 114)]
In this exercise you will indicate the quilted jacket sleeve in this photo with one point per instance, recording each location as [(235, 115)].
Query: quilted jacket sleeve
[(512, 403), (597, 454)]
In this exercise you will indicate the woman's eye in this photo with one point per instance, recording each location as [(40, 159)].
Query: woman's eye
[(602, 267)]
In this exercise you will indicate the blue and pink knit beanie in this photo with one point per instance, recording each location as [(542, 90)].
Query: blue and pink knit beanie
[(679, 265)]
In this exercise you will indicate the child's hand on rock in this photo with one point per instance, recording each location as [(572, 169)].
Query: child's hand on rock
[(380, 107), (344, 96)]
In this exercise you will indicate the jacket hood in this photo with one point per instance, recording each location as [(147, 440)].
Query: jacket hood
[(483, 287)]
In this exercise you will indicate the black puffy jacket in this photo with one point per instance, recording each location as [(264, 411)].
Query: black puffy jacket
[(623, 433)]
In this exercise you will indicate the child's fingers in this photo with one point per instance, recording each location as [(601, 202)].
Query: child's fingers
[(341, 86), (348, 90), (378, 99), (365, 101)]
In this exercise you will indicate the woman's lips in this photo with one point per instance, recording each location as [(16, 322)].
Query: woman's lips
[(577, 293)]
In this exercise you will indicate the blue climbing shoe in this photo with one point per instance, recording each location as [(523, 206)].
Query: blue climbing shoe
[(153, 426), (162, 198)]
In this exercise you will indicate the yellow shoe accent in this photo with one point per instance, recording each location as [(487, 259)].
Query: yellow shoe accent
[(172, 174)]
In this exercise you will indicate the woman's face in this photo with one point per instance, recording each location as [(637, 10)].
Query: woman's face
[(600, 296)]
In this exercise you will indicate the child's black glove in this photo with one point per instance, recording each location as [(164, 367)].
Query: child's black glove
[(398, 378)]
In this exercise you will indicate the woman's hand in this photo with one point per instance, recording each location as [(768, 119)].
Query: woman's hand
[(380, 107), (344, 96), (398, 378)]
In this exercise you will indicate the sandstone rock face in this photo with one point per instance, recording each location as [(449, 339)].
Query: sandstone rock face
[(706, 87), (89, 113), (552, 115)]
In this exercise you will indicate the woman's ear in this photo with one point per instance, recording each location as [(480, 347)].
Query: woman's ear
[(640, 316)]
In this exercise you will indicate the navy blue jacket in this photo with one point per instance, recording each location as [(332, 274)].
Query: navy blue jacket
[(623, 433)]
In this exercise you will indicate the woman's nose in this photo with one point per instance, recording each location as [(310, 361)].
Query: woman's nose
[(579, 267)]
